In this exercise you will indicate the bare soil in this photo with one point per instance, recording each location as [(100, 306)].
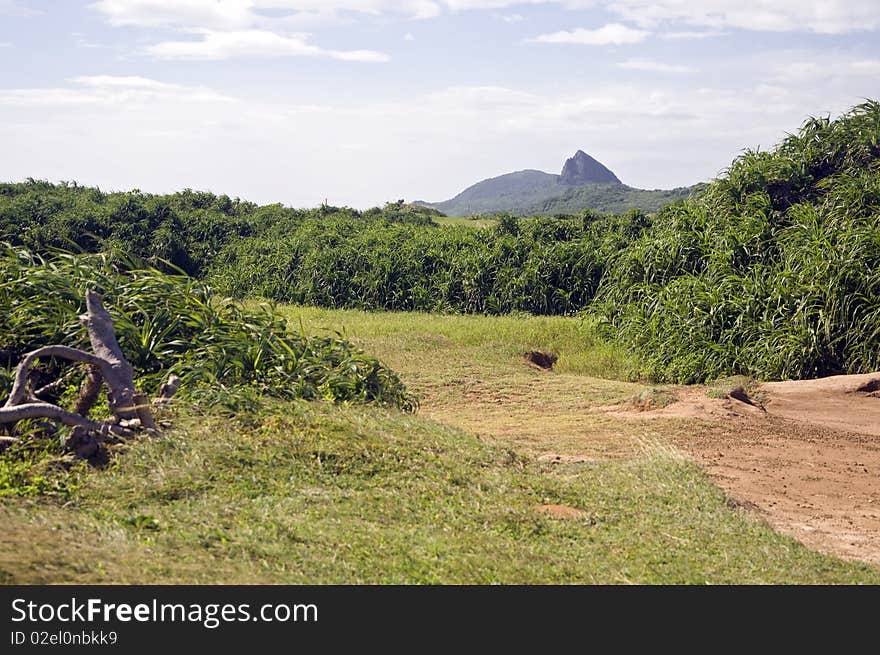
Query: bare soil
[(807, 457)]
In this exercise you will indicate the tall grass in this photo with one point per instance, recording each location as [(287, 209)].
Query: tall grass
[(174, 324), (772, 271)]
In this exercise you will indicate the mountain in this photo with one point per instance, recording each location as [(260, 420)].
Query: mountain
[(584, 183), (583, 169)]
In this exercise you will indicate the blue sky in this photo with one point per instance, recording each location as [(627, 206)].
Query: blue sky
[(364, 101)]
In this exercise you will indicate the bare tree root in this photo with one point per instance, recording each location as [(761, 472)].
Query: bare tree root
[(55, 413), (106, 365), (88, 393)]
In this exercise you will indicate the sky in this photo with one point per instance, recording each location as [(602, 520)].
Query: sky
[(362, 102)]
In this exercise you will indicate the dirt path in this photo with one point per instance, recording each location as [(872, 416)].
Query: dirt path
[(817, 484), (803, 455)]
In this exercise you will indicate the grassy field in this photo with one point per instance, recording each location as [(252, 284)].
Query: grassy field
[(313, 493), (427, 345), (470, 373)]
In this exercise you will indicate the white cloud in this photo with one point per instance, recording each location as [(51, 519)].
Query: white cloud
[(611, 34), (409, 37), (488, 98), (827, 68), (655, 66), (254, 43), (80, 41), (5, 44), (271, 28), (124, 82), (822, 16), (130, 92), (239, 28), (246, 14), (206, 14), (691, 35), (865, 66)]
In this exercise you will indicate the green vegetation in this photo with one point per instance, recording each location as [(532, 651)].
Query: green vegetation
[(470, 372), (773, 271), (396, 257), (424, 346), (284, 491), (309, 493), (770, 271), (609, 198), (540, 265), (173, 324), (185, 230), (469, 221)]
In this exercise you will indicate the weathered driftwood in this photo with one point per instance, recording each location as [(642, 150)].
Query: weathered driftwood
[(19, 393), (89, 391), (55, 413), (167, 390), (106, 365), (117, 372)]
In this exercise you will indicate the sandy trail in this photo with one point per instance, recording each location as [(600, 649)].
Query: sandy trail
[(844, 402), (808, 461)]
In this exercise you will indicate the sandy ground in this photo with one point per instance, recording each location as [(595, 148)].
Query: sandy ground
[(806, 456)]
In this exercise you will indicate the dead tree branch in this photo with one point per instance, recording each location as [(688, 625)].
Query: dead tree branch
[(55, 413), (88, 393), (106, 364)]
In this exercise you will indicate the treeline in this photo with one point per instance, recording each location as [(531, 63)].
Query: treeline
[(186, 230), (538, 265), (394, 257)]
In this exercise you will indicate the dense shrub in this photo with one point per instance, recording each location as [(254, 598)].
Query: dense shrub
[(173, 324), (394, 257), (538, 265), (185, 229)]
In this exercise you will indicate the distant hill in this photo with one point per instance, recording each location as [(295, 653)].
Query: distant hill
[(583, 184)]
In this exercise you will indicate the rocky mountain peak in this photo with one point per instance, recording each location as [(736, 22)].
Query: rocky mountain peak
[(583, 169)]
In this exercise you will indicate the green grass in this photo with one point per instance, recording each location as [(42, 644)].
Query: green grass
[(469, 372), (288, 491), (420, 343), (311, 493)]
